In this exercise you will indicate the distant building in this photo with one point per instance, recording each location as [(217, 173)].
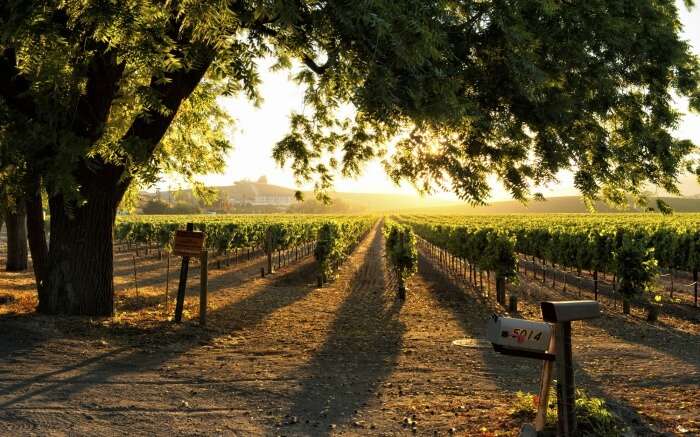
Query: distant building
[(241, 193), (256, 193)]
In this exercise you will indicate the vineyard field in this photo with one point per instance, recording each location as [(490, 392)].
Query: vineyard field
[(353, 328)]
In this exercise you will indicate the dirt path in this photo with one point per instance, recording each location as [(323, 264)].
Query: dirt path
[(282, 357), (268, 341)]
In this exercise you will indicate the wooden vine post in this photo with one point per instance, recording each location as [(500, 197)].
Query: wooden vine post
[(188, 244), (695, 285), (500, 289), (203, 286), (268, 249), (595, 284)]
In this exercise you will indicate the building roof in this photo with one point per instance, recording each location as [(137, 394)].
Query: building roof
[(239, 190)]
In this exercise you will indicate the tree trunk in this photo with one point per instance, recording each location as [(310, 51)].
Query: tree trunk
[(36, 231), (625, 306), (17, 252), (79, 278)]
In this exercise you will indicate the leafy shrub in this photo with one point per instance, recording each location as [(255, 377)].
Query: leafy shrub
[(593, 416), (402, 253)]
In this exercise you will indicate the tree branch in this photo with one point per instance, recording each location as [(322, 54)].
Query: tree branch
[(14, 87), (321, 69), (103, 77), (260, 27)]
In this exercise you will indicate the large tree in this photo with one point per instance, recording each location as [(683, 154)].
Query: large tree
[(101, 96)]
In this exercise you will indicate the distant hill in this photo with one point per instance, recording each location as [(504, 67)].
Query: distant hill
[(247, 196), (372, 202), (563, 204)]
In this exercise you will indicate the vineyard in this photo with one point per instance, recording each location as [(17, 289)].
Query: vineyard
[(331, 238), (325, 325), (633, 249)]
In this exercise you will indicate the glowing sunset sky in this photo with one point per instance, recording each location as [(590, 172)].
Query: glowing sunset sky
[(258, 129)]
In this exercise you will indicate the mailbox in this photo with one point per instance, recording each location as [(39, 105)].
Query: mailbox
[(548, 342), (568, 311), (520, 337)]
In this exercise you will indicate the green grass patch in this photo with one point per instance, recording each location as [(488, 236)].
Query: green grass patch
[(593, 415)]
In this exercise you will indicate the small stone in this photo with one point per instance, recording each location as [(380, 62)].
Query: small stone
[(528, 431)]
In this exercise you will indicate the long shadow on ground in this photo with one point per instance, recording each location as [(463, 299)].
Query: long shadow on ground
[(464, 305), (106, 367), (655, 336), (359, 353), (219, 280)]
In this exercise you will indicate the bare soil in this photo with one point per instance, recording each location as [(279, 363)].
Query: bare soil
[(280, 356)]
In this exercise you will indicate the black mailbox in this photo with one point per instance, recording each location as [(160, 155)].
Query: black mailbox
[(568, 311)]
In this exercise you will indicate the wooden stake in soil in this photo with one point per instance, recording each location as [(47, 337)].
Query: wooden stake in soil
[(167, 283), (673, 271), (501, 289), (545, 383), (595, 284)]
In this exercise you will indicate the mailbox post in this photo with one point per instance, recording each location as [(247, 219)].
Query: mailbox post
[(562, 314), (549, 341)]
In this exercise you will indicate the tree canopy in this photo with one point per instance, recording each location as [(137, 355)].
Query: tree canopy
[(98, 96), (466, 88), (519, 89)]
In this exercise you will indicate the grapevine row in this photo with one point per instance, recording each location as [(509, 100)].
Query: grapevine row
[(334, 236), (631, 247)]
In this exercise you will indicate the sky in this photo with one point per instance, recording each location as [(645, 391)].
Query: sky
[(257, 129)]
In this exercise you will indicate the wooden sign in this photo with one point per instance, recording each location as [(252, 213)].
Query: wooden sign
[(188, 243)]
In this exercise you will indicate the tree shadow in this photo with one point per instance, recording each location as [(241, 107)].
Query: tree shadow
[(20, 334), (148, 347), (219, 280), (659, 336), (29, 286), (584, 289), (688, 350), (166, 340), (472, 313), (360, 352), (100, 361)]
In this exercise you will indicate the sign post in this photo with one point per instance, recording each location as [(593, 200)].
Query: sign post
[(203, 278), (187, 243)]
